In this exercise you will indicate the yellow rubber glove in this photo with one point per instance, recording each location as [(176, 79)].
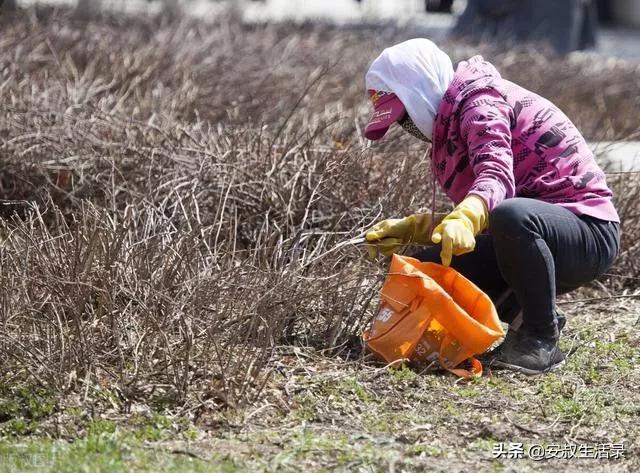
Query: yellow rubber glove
[(388, 236), (458, 230)]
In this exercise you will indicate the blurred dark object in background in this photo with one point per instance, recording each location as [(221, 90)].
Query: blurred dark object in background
[(604, 11), (624, 12), (568, 25), (440, 6), (8, 5)]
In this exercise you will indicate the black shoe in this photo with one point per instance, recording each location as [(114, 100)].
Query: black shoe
[(528, 353), (488, 357)]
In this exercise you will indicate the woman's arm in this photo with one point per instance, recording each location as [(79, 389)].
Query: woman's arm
[(485, 127)]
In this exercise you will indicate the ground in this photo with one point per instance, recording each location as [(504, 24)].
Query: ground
[(324, 413)]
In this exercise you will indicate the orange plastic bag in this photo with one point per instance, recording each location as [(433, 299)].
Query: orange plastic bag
[(429, 312)]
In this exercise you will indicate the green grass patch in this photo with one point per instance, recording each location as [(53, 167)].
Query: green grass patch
[(106, 451)]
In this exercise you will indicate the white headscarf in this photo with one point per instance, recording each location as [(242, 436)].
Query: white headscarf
[(419, 73)]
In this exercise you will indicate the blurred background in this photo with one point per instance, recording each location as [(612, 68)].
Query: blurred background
[(610, 27)]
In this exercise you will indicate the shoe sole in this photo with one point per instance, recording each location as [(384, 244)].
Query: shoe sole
[(523, 370)]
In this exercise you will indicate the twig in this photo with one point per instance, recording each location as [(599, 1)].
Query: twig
[(604, 298)]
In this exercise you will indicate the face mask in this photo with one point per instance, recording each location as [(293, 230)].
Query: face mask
[(407, 124)]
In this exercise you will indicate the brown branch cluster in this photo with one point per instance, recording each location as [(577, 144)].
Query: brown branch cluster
[(172, 192)]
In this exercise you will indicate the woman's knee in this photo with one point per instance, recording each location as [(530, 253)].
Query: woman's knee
[(511, 217)]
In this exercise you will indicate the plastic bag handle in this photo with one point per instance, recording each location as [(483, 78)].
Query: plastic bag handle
[(474, 372), (476, 366)]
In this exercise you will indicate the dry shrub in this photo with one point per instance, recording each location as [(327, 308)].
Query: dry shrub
[(180, 256), (174, 192), (626, 188)]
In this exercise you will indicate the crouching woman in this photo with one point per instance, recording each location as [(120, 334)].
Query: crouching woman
[(534, 217)]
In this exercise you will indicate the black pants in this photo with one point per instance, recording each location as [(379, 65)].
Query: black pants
[(532, 252)]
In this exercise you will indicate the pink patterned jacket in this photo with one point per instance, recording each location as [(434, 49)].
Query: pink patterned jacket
[(498, 140)]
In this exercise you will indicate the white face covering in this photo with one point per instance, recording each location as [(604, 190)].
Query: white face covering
[(419, 73)]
